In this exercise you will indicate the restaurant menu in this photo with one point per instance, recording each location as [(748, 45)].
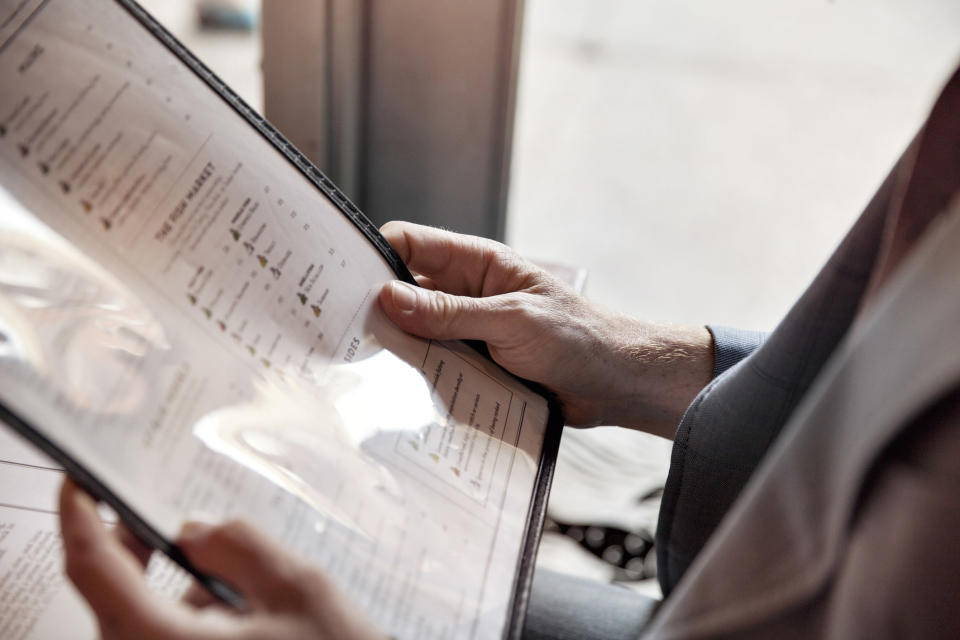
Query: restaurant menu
[(190, 319)]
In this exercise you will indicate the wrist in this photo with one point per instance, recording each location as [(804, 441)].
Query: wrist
[(656, 371)]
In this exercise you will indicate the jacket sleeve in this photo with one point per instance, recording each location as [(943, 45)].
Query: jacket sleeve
[(730, 425), (730, 346)]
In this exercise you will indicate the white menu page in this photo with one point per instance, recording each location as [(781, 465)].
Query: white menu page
[(188, 317)]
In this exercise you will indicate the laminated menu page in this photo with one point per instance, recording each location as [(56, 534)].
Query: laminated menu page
[(189, 327)]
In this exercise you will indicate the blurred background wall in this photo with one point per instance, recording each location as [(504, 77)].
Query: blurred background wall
[(731, 143), (407, 105)]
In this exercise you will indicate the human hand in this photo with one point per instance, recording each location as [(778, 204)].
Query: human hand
[(286, 599), (604, 367)]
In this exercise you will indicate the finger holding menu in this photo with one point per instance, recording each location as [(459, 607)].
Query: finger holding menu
[(288, 600), (604, 367)]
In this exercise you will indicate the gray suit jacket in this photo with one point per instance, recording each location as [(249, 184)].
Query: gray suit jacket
[(814, 488)]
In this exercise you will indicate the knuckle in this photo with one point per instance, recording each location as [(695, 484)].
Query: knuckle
[(444, 312), (520, 273), (496, 252), (523, 308), (509, 307), (503, 253)]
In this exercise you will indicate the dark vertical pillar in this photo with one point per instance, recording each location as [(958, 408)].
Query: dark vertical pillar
[(413, 102)]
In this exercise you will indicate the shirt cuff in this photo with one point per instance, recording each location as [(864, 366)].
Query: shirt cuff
[(730, 346)]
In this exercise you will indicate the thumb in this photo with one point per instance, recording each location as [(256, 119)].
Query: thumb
[(246, 558), (439, 315)]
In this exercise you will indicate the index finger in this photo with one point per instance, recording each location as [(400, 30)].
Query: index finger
[(455, 263)]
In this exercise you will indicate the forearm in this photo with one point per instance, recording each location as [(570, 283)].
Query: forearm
[(655, 373)]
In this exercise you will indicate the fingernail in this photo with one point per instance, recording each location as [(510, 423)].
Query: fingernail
[(404, 297)]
